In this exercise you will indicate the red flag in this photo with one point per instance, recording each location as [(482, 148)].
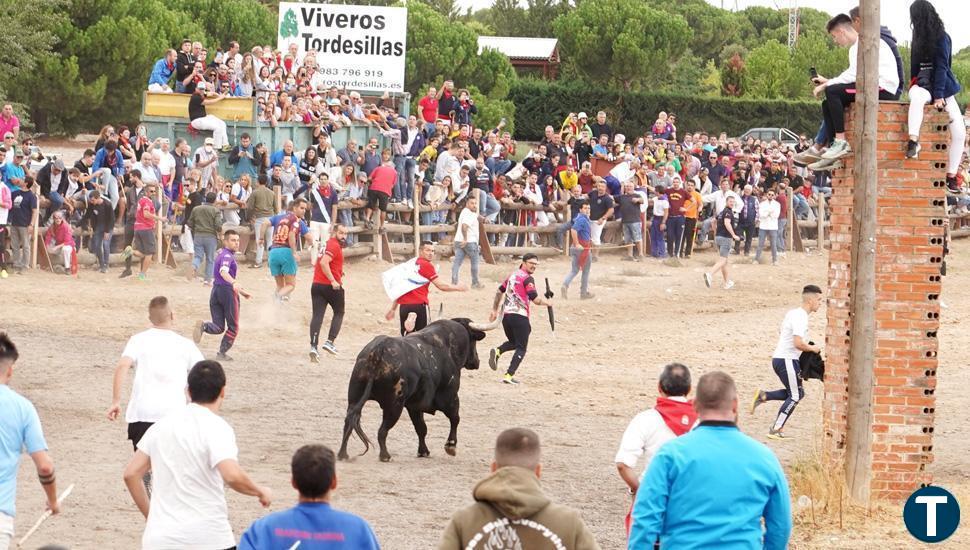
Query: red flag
[(74, 262)]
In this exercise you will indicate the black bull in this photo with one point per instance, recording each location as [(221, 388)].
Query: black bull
[(420, 372)]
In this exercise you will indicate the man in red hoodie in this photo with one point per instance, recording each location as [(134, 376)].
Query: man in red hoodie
[(672, 416), (59, 241)]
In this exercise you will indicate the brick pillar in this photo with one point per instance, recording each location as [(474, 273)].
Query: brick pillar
[(909, 248)]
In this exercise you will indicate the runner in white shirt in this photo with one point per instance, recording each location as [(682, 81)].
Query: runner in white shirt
[(672, 416), (162, 359), (792, 341), (193, 454)]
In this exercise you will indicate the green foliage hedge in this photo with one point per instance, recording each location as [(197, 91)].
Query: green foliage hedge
[(540, 103)]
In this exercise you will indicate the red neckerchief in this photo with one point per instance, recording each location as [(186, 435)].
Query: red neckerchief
[(325, 191), (678, 415)]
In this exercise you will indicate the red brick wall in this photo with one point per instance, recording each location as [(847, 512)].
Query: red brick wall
[(909, 246)]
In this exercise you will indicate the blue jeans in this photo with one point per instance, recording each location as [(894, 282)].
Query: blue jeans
[(772, 235), (561, 232), (658, 246), (574, 254), (488, 206), (675, 235), (429, 129), (205, 245), (470, 250), (498, 166), (347, 219), (101, 247), (801, 206), (782, 233), (400, 186)]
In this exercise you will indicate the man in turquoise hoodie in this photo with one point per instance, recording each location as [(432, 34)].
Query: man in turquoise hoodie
[(711, 487)]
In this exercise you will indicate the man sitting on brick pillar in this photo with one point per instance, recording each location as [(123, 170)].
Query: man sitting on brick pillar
[(792, 341), (841, 91)]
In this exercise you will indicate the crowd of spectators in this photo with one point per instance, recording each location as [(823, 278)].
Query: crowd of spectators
[(666, 186)]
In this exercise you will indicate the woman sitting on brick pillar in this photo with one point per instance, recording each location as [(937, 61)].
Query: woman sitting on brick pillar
[(932, 80)]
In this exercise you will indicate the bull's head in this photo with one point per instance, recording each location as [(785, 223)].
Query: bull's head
[(476, 333)]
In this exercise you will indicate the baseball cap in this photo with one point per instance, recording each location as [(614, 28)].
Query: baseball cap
[(209, 141), (582, 115), (200, 85), (19, 153), (8, 135)]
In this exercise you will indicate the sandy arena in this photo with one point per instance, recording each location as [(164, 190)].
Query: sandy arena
[(580, 388)]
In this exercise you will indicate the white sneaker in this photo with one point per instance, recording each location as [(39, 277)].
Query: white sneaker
[(329, 347), (729, 285), (707, 280), (839, 149), (314, 355)]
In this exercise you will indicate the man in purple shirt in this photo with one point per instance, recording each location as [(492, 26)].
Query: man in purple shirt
[(224, 300)]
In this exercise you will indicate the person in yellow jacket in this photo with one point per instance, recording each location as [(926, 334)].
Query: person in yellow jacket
[(511, 507)]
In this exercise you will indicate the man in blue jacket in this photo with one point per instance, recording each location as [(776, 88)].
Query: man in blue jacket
[(162, 73), (312, 523), (711, 487)]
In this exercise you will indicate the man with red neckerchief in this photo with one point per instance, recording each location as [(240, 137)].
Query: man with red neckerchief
[(671, 417)]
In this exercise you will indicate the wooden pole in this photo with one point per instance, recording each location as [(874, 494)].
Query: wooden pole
[(791, 219), (35, 225), (416, 220), (821, 221), (862, 271)]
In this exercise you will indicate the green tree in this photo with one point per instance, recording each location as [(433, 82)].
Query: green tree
[(507, 18), (28, 35), (439, 50), (691, 76), (245, 21), (540, 15), (768, 69), (643, 42), (448, 8), (712, 27), (102, 46)]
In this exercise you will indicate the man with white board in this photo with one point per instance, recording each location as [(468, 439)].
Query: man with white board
[(407, 285)]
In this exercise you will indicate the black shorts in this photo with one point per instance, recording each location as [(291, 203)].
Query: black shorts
[(144, 241), (136, 430), (377, 199)]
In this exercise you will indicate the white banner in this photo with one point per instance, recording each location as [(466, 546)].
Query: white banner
[(358, 47)]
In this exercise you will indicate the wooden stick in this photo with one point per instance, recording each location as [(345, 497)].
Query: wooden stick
[(35, 223), (44, 516)]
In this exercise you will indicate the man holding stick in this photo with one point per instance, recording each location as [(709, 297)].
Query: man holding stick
[(513, 299), (19, 429)]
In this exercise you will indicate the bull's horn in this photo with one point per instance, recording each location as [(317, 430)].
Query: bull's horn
[(485, 327)]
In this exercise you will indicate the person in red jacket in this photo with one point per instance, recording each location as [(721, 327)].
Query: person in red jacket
[(429, 110), (382, 181), (60, 240)]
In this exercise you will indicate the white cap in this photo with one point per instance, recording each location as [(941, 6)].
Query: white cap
[(582, 115)]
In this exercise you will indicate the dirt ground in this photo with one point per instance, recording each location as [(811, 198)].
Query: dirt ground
[(580, 388)]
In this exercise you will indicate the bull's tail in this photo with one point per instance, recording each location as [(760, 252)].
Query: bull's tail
[(352, 421)]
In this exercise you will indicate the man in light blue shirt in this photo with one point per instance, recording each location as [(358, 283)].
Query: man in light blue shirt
[(711, 487), (19, 429)]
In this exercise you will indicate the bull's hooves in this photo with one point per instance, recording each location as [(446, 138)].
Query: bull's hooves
[(343, 457), (424, 455), (452, 450), (385, 459)]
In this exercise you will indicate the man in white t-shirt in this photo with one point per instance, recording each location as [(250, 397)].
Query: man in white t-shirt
[(193, 454), (161, 359), (672, 416), (466, 242), (792, 341)]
